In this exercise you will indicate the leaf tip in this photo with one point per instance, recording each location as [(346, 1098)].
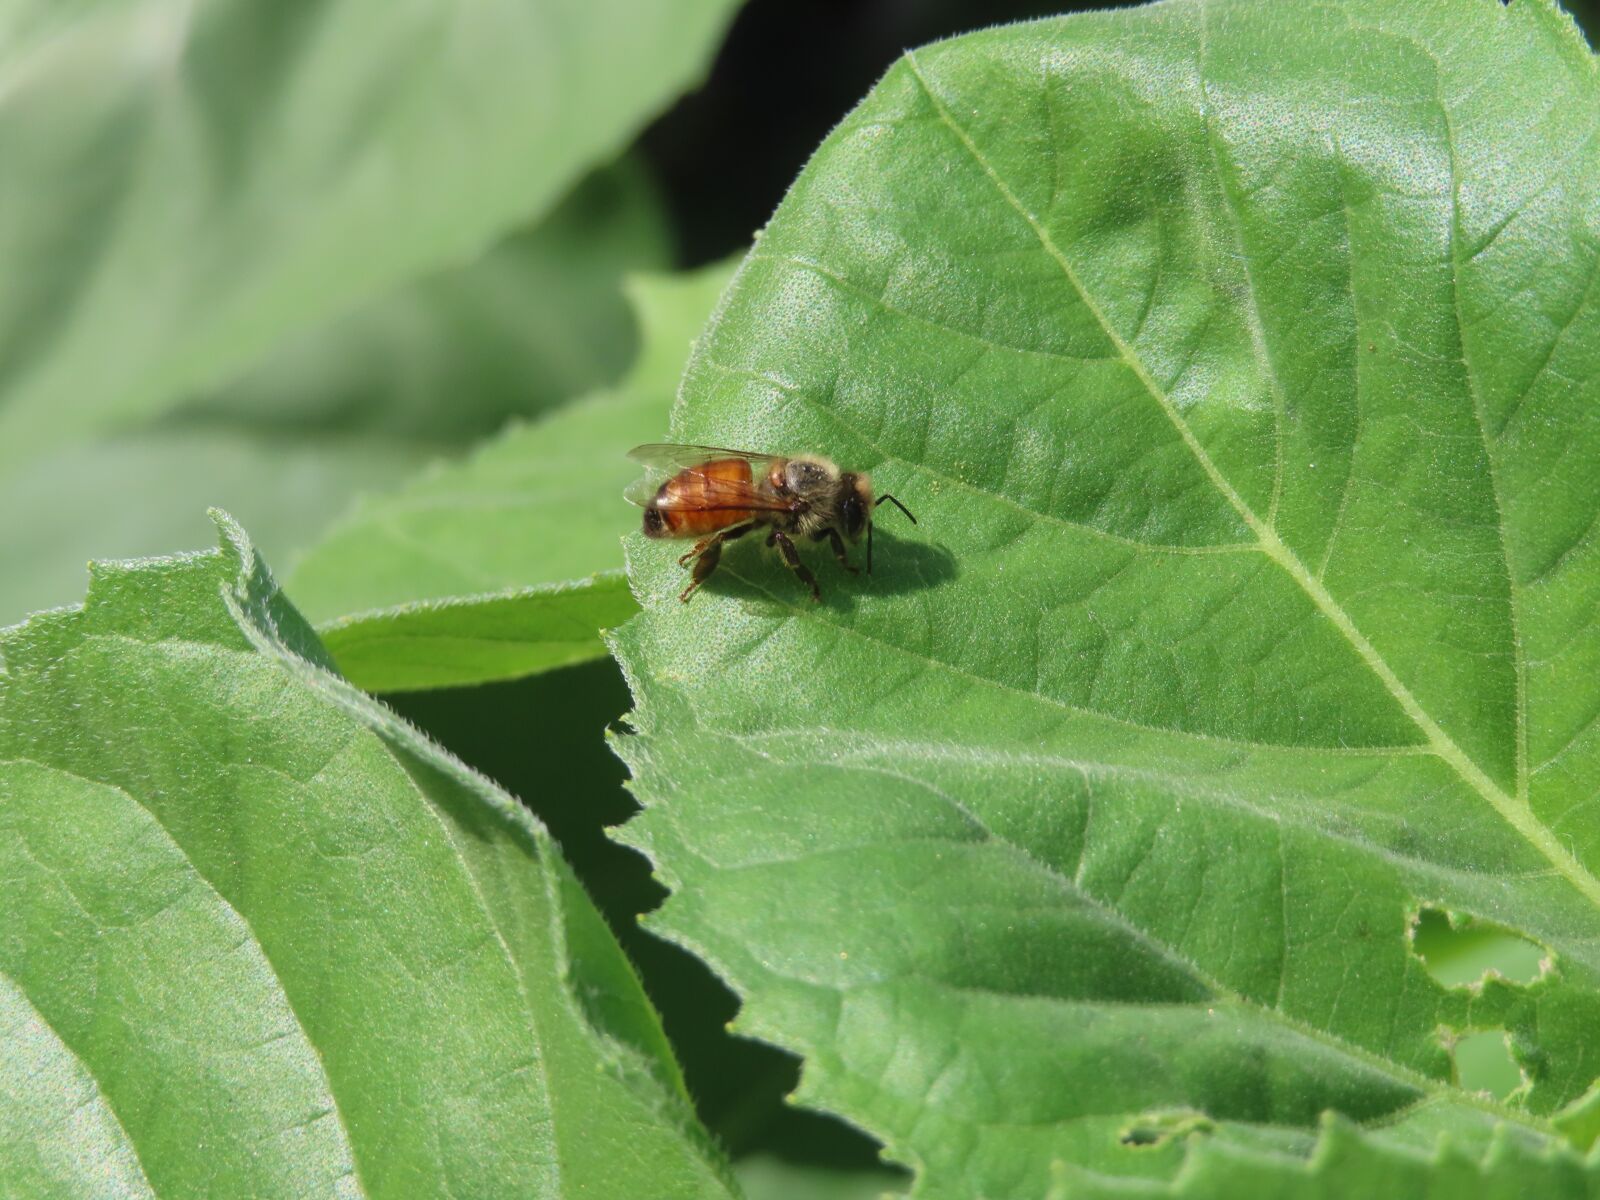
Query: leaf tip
[(233, 541)]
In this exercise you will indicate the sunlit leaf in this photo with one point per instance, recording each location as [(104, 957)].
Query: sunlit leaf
[(260, 938), (1239, 362)]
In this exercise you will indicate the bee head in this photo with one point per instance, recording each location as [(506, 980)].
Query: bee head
[(855, 503)]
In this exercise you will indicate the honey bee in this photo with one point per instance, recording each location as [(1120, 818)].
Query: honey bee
[(717, 495)]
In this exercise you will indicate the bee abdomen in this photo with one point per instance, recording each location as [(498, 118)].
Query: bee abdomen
[(697, 501)]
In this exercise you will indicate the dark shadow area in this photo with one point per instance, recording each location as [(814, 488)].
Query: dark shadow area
[(752, 571), (543, 739), (909, 561), (787, 74), (1584, 12)]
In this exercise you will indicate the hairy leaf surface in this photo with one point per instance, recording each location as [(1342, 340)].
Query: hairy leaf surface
[(258, 937), (1239, 361)]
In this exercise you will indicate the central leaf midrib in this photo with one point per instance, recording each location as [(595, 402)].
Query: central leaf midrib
[(1519, 816)]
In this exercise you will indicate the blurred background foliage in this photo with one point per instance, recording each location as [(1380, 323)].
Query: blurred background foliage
[(296, 413)]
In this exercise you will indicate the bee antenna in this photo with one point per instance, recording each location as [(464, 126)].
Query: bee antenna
[(897, 504), (875, 504)]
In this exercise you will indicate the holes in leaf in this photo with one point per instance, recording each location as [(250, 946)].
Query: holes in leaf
[(1484, 1063), (1460, 950), (1153, 1128)]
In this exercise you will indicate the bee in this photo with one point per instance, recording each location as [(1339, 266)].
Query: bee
[(717, 495)]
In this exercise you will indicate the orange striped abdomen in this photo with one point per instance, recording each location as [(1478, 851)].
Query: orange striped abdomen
[(699, 500)]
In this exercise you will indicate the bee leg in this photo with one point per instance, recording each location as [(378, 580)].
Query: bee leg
[(703, 566), (704, 544), (837, 543), (709, 550), (696, 550), (791, 559)]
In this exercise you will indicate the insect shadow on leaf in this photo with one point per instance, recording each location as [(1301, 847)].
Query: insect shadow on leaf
[(753, 572)]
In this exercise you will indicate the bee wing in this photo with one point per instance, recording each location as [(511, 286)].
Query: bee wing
[(667, 458), (642, 491), (664, 460)]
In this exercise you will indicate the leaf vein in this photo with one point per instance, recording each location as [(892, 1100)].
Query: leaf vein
[(266, 959), (1252, 305), (1516, 814), (921, 466), (1457, 269)]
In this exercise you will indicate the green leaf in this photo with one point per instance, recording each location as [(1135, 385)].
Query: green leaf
[(773, 1179), (1346, 1164), (539, 319), (1239, 362), (359, 406), (145, 492), (261, 938), (509, 563), (187, 186)]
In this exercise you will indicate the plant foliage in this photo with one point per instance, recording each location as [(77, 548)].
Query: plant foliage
[(1239, 362), (264, 939), (509, 563)]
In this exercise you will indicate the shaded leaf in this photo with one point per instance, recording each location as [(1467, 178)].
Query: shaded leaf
[(1238, 360), (774, 1179), (357, 407), (143, 493), (261, 938), (507, 563), (537, 320), (188, 186)]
